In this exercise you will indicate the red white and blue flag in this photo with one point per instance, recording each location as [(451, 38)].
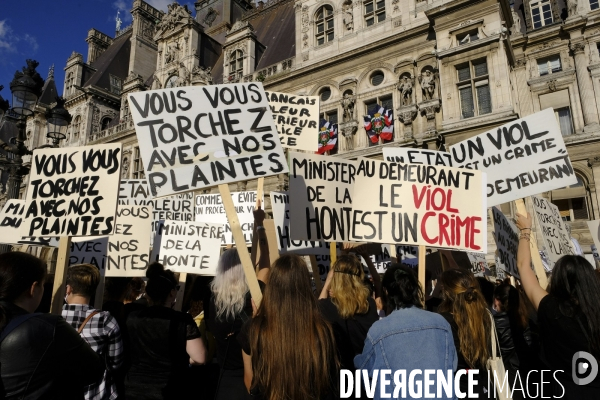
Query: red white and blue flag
[(328, 135), (379, 124)]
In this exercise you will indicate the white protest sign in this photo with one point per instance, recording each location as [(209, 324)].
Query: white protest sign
[(190, 247), (406, 155), (506, 236), (522, 158), (209, 208), (89, 250), (320, 197), (595, 254), (554, 232), (73, 191), (296, 119), (594, 227), (11, 226), (129, 247), (479, 265), (176, 208), (197, 137), (416, 204), (280, 205)]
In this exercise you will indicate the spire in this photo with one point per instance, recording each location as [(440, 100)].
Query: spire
[(119, 22), (51, 72)]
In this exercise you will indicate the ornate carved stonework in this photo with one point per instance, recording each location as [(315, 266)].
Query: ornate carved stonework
[(552, 85), (429, 108), (177, 15), (305, 23), (407, 114), (348, 15), (348, 102), (201, 76), (593, 162), (577, 48), (520, 63), (348, 130), (405, 86)]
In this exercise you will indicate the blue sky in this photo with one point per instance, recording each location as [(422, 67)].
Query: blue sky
[(50, 30)]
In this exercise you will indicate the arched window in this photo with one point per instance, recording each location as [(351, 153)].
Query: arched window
[(324, 25), (76, 125), (377, 78), (105, 123), (69, 83), (236, 64), (325, 93)]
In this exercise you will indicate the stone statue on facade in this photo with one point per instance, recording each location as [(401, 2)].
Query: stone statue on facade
[(406, 88), (171, 52), (572, 7), (427, 81), (516, 28), (202, 73), (348, 15), (348, 106), (156, 83), (184, 76)]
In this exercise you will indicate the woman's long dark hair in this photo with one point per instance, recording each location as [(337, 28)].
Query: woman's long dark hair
[(577, 287), (512, 305), (402, 288), (292, 346), (160, 283), (18, 271)]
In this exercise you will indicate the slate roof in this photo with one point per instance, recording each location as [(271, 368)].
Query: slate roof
[(113, 61), (49, 92)]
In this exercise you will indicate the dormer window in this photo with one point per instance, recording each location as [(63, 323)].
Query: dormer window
[(549, 65), (236, 64), (541, 13), (115, 85), (467, 37), (324, 25)]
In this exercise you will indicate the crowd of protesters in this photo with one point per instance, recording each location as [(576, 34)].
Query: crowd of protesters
[(294, 344)]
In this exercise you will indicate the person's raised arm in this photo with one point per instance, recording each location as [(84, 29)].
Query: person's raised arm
[(264, 261), (327, 285), (531, 286), (196, 350)]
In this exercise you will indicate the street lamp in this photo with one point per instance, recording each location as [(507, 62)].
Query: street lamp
[(26, 88), (58, 121)]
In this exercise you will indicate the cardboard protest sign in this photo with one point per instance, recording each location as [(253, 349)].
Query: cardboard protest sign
[(506, 236), (320, 197), (296, 119), (416, 204), (209, 208), (407, 155), (189, 247), (280, 205), (129, 247), (594, 227), (89, 250), (479, 265), (73, 191), (196, 137), (522, 158), (11, 226), (176, 208), (554, 232)]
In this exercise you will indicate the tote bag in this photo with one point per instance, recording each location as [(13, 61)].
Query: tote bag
[(496, 367)]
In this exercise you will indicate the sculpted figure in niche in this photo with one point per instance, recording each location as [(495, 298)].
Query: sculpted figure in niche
[(348, 106), (184, 76), (516, 28), (171, 52), (572, 7), (156, 83), (427, 81), (406, 88), (348, 16)]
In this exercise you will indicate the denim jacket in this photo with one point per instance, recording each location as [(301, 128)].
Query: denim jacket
[(409, 339)]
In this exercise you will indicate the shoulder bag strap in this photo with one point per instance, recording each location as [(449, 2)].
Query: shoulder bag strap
[(14, 324), (493, 335), (85, 321)]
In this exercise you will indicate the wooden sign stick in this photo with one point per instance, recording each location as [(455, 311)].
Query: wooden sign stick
[(180, 292), (259, 195), (240, 241), (332, 253), (393, 255), (315, 271), (536, 259), (422, 254), (60, 275)]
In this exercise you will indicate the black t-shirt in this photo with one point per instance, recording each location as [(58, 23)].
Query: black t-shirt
[(561, 338), (350, 334), (158, 337), (229, 352)]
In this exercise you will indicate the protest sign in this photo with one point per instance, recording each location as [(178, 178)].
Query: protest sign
[(129, 247), (594, 227), (89, 250), (73, 191), (479, 265), (175, 208), (280, 205), (296, 119), (197, 137), (506, 236), (406, 155), (416, 204), (189, 246), (554, 232), (320, 197), (522, 158), (11, 226), (209, 208)]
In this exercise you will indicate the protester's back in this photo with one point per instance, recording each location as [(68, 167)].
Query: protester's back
[(42, 357)]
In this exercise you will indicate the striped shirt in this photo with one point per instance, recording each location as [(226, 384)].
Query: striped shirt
[(103, 335)]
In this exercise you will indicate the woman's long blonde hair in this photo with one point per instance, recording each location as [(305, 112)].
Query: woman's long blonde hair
[(292, 346), (463, 298), (348, 292)]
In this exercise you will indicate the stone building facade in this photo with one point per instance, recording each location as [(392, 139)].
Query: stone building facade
[(449, 69)]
